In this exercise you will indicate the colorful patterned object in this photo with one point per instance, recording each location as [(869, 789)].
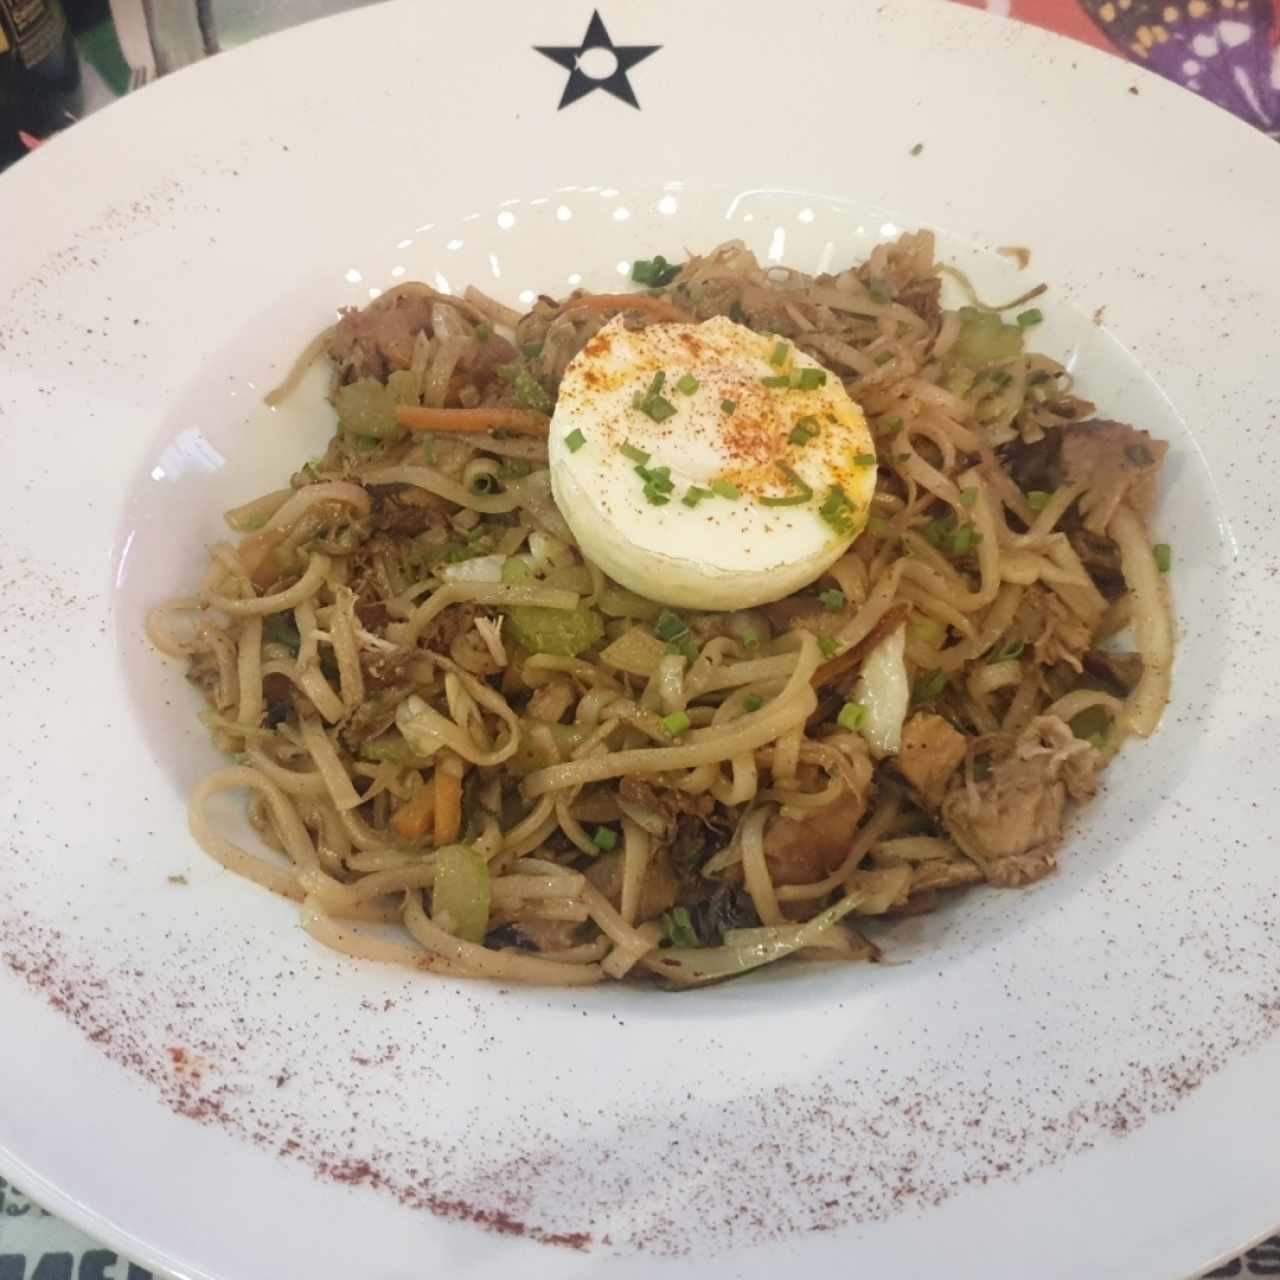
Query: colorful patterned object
[(1225, 50)]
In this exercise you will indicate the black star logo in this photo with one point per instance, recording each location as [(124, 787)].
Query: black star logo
[(579, 85)]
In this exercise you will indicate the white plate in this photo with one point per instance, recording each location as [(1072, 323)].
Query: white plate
[(1073, 1080)]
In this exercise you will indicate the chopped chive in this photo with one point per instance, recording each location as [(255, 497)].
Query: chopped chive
[(574, 440), (879, 526), (928, 689), (749, 638), (1033, 315), (676, 723), (1097, 741), (878, 292), (890, 427), (832, 601), (484, 483), (792, 499), (778, 356), (777, 380), (1007, 651), (694, 495), (800, 435), (752, 702), (656, 383), (659, 408), (605, 838), (968, 497), (632, 454), (963, 540), (883, 357), (688, 384), (728, 406), (837, 510), (531, 350), (670, 626), (864, 459), (809, 379), (678, 930), (917, 149), (723, 489), (1163, 554), (656, 499), (1037, 499), (654, 272), (829, 645), (853, 715)]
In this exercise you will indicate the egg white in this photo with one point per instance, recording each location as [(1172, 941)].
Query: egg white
[(719, 554)]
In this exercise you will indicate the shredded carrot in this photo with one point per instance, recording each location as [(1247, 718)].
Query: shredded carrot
[(524, 421), (448, 806), (658, 308), (411, 820), (258, 557)]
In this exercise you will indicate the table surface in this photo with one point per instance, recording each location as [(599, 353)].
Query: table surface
[(34, 1245)]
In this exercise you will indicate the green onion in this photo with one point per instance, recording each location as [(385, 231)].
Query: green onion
[(963, 540), (883, 357), (676, 723), (258, 522), (1037, 499), (749, 638), (531, 393), (728, 406), (654, 272), (312, 465), (694, 495), (483, 333), (837, 510), (879, 526), (531, 350), (670, 626), (632, 454), (1008, 651), (604, 838), (723, 489), (878, 292), (688, 384), (853, 715), (659, 408), (829, 645), (794, 499), (1163, 554), (574, 440), (1097, 741), (800, 435), (752, 702), (890, 427), (929, 688), (864, 459), (777, 380), (778, 357), (968, 497), (809, 379), (917, 149), (1033, 315), (677, 928), (484, 483), (832, 601)]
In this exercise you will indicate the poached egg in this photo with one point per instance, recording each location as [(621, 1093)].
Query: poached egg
[(707, 466)]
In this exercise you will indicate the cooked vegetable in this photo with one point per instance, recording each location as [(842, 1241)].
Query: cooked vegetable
[(460, 893)]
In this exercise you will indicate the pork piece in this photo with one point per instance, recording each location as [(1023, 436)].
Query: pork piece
[(658, 893), (409, 511), (802, 850), (667, 802), (924, 297), (1117, 462), (377, 341), (548, 935), (1011, 822), (931, 752), (1050, 628)]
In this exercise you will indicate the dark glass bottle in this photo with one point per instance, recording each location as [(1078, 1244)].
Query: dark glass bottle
[(39, 73)]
